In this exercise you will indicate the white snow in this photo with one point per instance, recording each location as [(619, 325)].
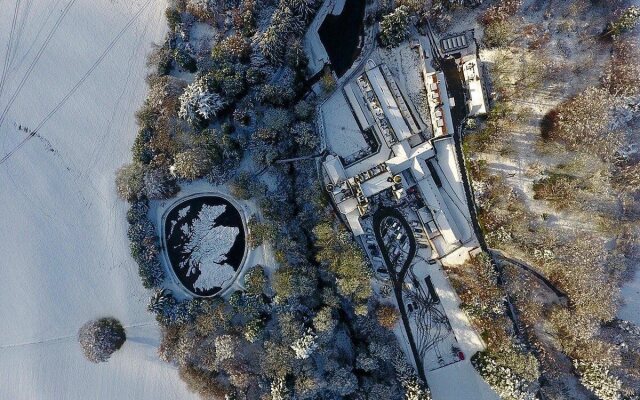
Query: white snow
[(65, 256), (207, 246), (630, 310)]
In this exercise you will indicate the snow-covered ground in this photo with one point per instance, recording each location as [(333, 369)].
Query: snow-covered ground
[(630, 310), (63, 233)]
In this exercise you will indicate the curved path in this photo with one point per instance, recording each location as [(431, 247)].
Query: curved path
[(497, 254), (397, 276)]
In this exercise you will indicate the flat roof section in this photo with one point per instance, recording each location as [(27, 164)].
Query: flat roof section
[(471, 72), (453, 43), (335, 170), (439, 104), (388, 104), (355, 106), (438, 208), (377, 184)]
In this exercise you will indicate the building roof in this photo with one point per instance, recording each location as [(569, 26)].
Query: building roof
[(471, 72), (438, 208), (377, 184), (355, 106), (453, 43), (348, 205), (388, 104), (439, 103), (353, 219), (333, 166)]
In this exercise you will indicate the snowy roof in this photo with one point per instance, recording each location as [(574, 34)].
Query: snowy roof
[(348, 205), (471, 73), (377, 184), (438, 208), (388, 104), (335, 170), (355, 106), (439, 103), (454, 43), (353, 219)]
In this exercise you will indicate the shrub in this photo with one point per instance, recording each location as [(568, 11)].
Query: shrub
[(129, 182), (100, 338), (596, 377), (499, 33), (627, 20), (185, 60), (387, 316), (584, 123)]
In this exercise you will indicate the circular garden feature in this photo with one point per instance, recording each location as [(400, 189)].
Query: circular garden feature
[(205, 243)]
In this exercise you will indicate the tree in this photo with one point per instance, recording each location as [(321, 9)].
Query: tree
[(129, 181), (100, 338), (159, 184), (596, 377), (191, 164), (255, 280), (305, 345), (394, 27), (260, 232), (622, 76), (198, 102), (304, 135), (626, 22), (387, 316)]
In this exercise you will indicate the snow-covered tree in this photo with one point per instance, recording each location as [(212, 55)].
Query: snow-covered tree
[(100, 338), (596, 377), (394, 27), (285, 23), (304, 346), (303, 8), (627, 21), (198, 102), (226, 348), (304, 135), (160, 301), (190, 164), (502, 379), (158, 184), (279, 390)]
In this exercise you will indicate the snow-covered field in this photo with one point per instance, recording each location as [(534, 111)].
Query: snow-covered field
[(63, 232)]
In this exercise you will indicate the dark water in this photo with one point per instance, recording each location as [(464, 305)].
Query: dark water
[(456, 90), (340, 35), (175, 239)]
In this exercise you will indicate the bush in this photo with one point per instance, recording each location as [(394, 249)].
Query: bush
[(584, 123), (387, 316), (185, 60), (100, 338), (129, 182), (627, 20), (499, 33)]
